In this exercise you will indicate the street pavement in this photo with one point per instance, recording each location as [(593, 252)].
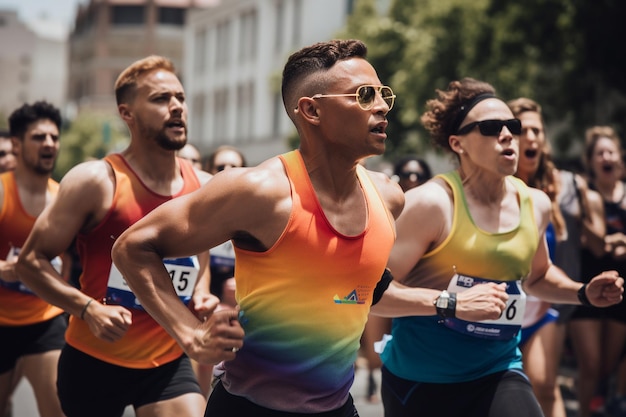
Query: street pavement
[(24, 403)]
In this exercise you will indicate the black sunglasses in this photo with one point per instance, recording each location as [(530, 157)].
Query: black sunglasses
[(492, 127), (407, 174)]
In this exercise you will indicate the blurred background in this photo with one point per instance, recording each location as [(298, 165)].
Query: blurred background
[(569, 55)]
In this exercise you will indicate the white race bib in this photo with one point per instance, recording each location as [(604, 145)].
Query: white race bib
[(503, 328), (184, 274), (18, 286)]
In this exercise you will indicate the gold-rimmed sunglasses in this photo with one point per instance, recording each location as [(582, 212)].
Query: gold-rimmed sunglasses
[(366, 95)]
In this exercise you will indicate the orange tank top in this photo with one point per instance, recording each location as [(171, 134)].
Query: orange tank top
[(146, 344), (19, 306)]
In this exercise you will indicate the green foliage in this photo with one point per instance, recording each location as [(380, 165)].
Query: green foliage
[(569, 55), (89, 136)]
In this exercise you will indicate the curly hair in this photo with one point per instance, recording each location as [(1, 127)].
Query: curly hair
[(440, 119), (29, 113)]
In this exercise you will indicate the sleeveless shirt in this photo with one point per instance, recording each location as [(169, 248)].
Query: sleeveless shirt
[(425, 350), (304, 302), (19, 307), (146, 344)]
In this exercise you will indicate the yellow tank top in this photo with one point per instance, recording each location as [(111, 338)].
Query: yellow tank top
[(505, 256)]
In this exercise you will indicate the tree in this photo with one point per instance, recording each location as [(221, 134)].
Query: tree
[(568, 55), (89, 136)]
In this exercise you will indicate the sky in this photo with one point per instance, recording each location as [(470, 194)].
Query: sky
[(59, 10)]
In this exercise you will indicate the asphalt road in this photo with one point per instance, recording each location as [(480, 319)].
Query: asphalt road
[(24, 403)]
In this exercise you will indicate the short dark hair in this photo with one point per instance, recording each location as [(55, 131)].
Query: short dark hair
[(29, 113), (318, 57), (400, 163)]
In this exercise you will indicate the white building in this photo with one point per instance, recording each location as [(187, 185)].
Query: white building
[(33, 61), (233, 61)]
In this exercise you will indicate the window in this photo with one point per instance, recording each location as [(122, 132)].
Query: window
[(172, 16), (222, 50), (247, 36), (280, 22), (297, 23), (199, 47), (127, 15)]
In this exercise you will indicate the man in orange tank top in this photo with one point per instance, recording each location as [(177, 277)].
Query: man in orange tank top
[(7, 157), (116, 354), (31, 330)]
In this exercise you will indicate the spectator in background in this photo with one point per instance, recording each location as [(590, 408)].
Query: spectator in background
[(222, 259), (7, 158), (598, 335), (31, 330), (543, 328), (192, 154), (411, 171), (223, 256), (225, 156)]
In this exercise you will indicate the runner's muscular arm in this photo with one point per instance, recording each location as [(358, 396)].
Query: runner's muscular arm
[(240, 201), (85, 194), (423, 225)]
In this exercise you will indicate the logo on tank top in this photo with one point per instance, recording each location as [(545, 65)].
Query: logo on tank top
[(352, 298)]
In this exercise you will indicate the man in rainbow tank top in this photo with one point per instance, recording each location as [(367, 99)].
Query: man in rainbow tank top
[(116, 353), (31, 330)]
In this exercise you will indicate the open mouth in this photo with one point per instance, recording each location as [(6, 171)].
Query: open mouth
[(379, 128), (508, 152), (530, 153), (607, 168), (175, 124)]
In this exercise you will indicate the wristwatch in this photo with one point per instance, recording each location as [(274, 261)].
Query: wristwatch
[(445, 304)]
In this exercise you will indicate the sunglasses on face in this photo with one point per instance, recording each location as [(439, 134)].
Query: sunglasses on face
[(222, 167), (366, 95), (492, 127), (407, 174)]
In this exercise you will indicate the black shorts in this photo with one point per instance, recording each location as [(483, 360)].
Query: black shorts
[(506, 393), (90, 387), (223, 404), (36, 338), (615, 312)]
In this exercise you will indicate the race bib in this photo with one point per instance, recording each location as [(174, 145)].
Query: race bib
[(503, 328), (223, 255), (18, 286), (184, 274)]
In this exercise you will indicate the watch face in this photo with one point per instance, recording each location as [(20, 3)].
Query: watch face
[(442, 302)]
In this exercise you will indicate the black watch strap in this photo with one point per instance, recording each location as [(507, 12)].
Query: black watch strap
[(449, 311)]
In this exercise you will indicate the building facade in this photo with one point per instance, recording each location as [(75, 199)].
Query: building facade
[(109, 35), (33, 62), (234, 55)]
